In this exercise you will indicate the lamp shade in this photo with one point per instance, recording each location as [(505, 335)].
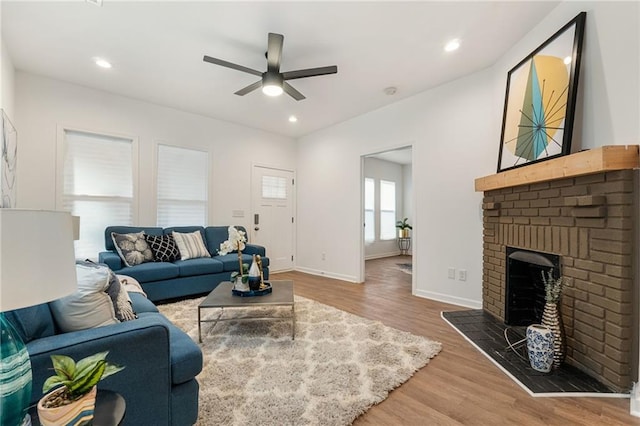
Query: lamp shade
[(37, 259)]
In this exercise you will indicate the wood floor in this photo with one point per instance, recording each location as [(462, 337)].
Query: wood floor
[(459, 386)]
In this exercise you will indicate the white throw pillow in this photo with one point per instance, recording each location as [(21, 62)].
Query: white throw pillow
[(89, 306), (190, 245)]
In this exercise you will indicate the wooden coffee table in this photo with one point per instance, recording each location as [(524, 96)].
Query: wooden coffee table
[(222, 298)]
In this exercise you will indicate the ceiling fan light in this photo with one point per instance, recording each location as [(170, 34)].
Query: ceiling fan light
[(272, 90)]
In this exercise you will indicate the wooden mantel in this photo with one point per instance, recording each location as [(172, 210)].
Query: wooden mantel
[(602, 159)]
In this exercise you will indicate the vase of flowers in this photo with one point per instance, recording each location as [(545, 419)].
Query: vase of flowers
[(236, 242), (551, 316)]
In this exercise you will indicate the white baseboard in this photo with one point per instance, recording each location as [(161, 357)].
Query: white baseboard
[(348, 278), (634, 403), (382, 255), (460, 301)]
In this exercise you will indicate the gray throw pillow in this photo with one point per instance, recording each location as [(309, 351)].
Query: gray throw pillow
[(132, 248)]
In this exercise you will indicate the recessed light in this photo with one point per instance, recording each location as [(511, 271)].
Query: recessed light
[(452, 45), (102, 63), (293, 118), (567, 60)]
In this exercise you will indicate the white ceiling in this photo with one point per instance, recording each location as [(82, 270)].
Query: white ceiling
[(157, 47)]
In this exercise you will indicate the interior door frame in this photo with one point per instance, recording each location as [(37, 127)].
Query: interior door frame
[(294, 204), (414, 244)]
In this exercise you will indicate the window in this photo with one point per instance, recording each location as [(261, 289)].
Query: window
[(182, 186), (387, 210), (97, 185), (369, 208), (274, 187)]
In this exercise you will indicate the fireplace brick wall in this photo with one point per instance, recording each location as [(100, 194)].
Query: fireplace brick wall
[(589, 221)]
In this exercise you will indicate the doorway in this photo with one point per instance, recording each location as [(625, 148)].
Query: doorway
[(387, 197), (272, 223)]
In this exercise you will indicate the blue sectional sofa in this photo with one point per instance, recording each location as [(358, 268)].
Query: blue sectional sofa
[(161, 361), (169, 280)]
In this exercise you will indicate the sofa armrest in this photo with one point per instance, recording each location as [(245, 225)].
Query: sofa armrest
[(111, 259), (252, 249), (141, 346)]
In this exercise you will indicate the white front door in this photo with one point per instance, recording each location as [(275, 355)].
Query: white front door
[(273, 221)]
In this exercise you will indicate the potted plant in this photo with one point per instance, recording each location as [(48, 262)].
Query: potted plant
[(403, 228), (73, 397)]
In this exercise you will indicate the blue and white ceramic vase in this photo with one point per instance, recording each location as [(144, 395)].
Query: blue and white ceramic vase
[(540, 347)]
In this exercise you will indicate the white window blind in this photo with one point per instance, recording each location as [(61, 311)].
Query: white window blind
[(369, 206), (97, 186), (182, 186), (387, 210), (274, 187)]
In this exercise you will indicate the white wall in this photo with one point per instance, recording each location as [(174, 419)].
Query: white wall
[(455, 132), (384, 170), (6, 82), (42, 104)]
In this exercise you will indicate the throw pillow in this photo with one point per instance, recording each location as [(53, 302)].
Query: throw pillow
[(90, 306), (164, 248), (190, 245), (132, 248)]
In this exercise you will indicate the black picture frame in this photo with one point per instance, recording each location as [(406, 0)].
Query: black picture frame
[(540, 101)]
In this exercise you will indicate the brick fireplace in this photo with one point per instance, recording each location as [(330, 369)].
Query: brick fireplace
[(582, 208)]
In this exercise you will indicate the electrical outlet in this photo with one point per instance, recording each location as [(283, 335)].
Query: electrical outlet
[(324, 256), (462, 274), (452, 273)]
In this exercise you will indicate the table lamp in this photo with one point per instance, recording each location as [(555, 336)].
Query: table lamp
[(37, 265)]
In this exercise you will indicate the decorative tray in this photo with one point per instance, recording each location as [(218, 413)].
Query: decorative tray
[(251, 293)]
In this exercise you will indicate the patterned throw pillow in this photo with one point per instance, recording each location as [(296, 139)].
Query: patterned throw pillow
[(132, 248), (190, 245), (164, 248)]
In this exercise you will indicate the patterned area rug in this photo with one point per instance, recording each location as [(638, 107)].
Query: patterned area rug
[(407, 268), (337, 367)]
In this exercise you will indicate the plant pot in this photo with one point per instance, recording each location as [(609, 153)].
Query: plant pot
[(77, 413), (551, 318), (540, 347)]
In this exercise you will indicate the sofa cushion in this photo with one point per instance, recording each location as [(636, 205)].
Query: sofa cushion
[(191, 245), (132, 248), (164, 248), (152, 271), (108, 241), (186, 356), (33, 322), (201, 266), (230, 261)]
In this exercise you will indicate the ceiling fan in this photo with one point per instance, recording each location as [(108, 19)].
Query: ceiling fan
[(273, 81)]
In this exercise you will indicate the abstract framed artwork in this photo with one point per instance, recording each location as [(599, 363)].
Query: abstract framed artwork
[(9, 144), (539, 107)]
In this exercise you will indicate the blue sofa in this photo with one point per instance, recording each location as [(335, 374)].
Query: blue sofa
[(169, 280), (161, 361)]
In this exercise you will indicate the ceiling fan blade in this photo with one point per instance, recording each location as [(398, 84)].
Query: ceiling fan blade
[(289, 90), (231, 65), (249, 88), (274, 51), (310, 72)]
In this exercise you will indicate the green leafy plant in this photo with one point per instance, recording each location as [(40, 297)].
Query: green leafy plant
[(245, 273), (552, 286), (79, 378), (402, 224)]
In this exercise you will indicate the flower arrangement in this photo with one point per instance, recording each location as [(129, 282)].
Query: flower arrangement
[(552, 286), (236, 241)]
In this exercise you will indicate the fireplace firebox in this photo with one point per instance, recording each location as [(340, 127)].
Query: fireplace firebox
[(525, 293)]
